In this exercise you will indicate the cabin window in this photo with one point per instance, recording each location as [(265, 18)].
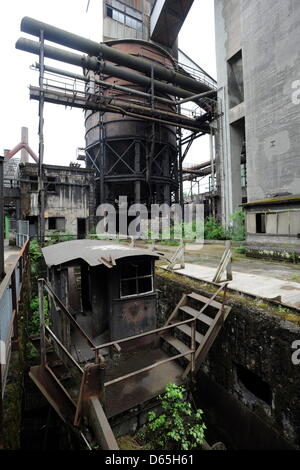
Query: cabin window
[(136, 279)]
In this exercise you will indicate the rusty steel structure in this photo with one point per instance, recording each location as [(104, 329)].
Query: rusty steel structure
[(133, 93), (136, 158)]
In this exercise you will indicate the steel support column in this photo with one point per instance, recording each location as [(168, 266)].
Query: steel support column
[(41, 217)]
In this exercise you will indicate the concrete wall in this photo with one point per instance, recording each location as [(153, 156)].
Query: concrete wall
[(258, 338), (271, 35), (268, 33), (228, 44)]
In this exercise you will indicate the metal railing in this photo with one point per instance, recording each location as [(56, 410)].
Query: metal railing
[(10, 291)]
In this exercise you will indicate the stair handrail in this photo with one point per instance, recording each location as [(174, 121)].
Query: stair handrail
[(141, 335), (223, 287)]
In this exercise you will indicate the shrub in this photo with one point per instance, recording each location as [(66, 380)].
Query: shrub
[(238, 230), (34, 323), (179, 427), (241, 250), (213, 230)]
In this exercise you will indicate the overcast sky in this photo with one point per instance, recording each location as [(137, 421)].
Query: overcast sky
[(64, 129)]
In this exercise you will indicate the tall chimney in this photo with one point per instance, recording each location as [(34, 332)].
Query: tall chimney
[(24, 140)]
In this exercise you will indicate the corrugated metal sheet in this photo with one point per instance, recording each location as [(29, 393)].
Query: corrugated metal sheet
[(94, 252)]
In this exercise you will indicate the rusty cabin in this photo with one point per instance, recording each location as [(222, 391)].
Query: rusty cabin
[(108, 288)]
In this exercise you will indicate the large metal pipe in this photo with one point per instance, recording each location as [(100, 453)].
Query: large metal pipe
[(73, 41), (197, 167), (91, 63)]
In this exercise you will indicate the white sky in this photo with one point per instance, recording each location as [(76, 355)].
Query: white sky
[(64, 128)]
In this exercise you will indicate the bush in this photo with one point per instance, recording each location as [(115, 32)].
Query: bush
[(35, 250), (34, 323), (179, 427), (213, 230), (238, 230), (241, 250)]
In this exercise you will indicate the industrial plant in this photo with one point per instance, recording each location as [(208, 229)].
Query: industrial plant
[(150, 287)]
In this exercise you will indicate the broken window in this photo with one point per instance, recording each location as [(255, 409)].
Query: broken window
[(235, 80), (33, 183), (51, 186), (57, 223), (136, 278), (260, 223), (254, 384)]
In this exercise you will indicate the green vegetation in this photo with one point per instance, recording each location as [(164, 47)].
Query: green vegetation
[(294, 257), (241, 250), (179, 427), (238, 231), (213, 230), (35, 250), (34, 323), (283, 310)]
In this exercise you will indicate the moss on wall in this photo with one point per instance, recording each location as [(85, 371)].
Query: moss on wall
[(258, 336)]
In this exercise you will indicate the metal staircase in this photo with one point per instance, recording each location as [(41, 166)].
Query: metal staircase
[(207, 318)]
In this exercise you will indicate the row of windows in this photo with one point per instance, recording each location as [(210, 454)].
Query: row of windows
[(50, 184), (124, 18), (126, 9)]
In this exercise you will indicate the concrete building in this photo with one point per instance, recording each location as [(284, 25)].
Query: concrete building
[(69, 200), (258, 65)]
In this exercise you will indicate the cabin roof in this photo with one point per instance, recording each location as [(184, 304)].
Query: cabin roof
[(93, 252)]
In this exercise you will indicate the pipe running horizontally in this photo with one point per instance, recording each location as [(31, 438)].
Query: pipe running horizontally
[(92, 63), (100, 50)]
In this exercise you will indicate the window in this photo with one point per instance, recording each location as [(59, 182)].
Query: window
[(235, 80), (136, 278), (254, 384), (33, 183), (50, 185), (125, 15), (260, 223), (57, 223)]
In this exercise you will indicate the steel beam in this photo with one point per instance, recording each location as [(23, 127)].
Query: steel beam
[(73, 99)]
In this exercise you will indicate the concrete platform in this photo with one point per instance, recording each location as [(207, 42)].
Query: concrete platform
[(260, 285), (139, 389)]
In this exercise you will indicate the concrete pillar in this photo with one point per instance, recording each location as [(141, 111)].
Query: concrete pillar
[(2, 273), (237, 137), (24, 140)]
